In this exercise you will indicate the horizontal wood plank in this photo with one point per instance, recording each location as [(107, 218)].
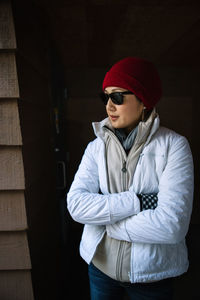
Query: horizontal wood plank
[(14, 251), (11, 171), (10, 133), (8, 76), (12, 211), (7, 32), (16, 285)]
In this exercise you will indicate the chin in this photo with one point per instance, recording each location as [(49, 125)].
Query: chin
[(116, 126)]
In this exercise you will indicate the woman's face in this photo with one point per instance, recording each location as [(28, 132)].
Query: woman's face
[(126, 115)]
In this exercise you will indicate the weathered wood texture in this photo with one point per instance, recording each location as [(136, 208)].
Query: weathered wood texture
[(12, 211), (8, 76), (35, 113), (14, 249), (14, 252), (7, 32), (11, 171), (10, 123), (16, 285)]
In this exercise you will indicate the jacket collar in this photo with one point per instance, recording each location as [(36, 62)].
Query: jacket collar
[(99, 127)]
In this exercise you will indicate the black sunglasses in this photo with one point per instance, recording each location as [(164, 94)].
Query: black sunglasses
[(116, 97)]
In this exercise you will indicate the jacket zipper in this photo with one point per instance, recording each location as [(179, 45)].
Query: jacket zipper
[(119, 261), (124, 188), (124, 171), (121, 245)]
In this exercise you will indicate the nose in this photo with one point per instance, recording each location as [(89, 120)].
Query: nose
[(110, 105)]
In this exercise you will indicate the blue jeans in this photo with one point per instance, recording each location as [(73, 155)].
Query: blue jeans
[(103, 287)]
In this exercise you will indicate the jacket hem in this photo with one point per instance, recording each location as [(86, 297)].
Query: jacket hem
[(145, 278)]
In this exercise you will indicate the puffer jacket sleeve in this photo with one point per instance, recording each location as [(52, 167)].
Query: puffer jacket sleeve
[(86, 205), (169, 221)]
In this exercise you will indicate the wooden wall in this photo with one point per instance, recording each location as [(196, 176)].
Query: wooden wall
[(29, 218), (15, 263)]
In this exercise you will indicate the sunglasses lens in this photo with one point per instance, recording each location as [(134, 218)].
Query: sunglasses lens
[(117, 98)]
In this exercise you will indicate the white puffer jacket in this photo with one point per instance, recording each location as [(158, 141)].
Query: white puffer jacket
[(158, 236)]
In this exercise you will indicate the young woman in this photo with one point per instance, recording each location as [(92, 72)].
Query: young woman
[(133, 191)]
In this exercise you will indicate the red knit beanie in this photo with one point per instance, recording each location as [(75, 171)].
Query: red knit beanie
[(138, 76)]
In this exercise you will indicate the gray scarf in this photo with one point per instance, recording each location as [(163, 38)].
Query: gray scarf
[(126, 140)]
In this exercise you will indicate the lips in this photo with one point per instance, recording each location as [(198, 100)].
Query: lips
[(114, 118)]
